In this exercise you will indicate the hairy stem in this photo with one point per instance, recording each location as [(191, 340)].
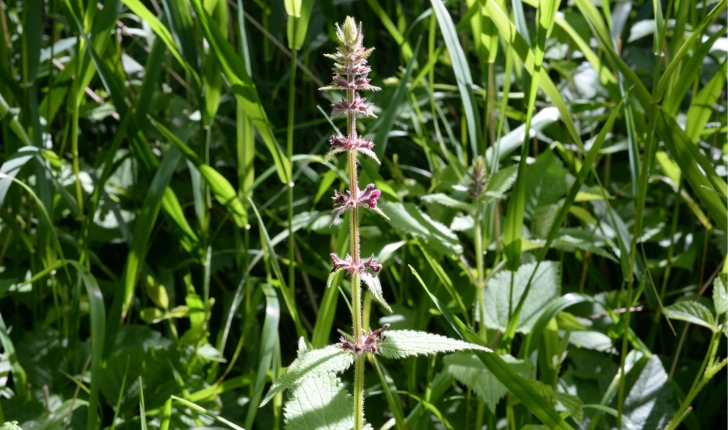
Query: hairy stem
[(359, 392)]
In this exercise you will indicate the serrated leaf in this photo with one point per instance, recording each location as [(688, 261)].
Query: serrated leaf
[(571, 404), (545, 287), (330, 359), (408, 219), (403, 343), (545, 181), (648, 403), (319, 402), (692, 312), (720, 296), (445, 200), (501, 181), (593, 340), (376, 288), (471, 372)]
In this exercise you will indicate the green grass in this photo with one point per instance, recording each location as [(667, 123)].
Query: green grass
[(150, 239)]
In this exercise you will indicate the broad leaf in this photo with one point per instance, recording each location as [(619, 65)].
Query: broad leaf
[(471, 372), (501, 181), (320, 402), (448, 201), (376, 288), (408, 219), (545, 182), (692, 312), (403, 343), (330, 359), (648, 403), (545, 287)]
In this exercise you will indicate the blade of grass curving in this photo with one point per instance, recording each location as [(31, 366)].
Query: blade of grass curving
[(20, 378), (532, 400), (391, 28), (327, 306), (204, 411), (267, 347), (444, 279), (98, 329), (146, 221), (243, 87), (183, 31), (689, 46), (245, 132), (15, 125), (513, 227), (220, 187), (142, 408), (519, 45), (685, 75), (462, 75), (390, 392), (270, 254), (384, 125), (703, 104), (551, 311), (163, 33)]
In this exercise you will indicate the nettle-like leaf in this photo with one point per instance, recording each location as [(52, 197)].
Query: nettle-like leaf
[(500, 182), (330, 359), (320, 403), (404, 343), (546, 287), (376, 288), (408, 219), (470, 371), (692, 312), (648, 403), (448, 201)]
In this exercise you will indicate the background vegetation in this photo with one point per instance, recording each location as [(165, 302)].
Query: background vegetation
[(157, 270)]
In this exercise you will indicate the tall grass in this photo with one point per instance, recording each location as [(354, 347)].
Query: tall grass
[(555, 183)]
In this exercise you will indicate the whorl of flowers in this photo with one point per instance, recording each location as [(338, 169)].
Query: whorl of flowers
[(351, 75)]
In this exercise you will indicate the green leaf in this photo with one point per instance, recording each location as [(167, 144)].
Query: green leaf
[(268, 349), (319, 402), (220, 187), (702, 105), (546, 286), (13, 425), (720, 296), (408, 219), (537, 404), (448, 201), (472, 373), (501, 181), (243, 87), (461, 68), (404, 343), (648, 403), (330, 359), (545, 182), (376, 288), (692, 312)]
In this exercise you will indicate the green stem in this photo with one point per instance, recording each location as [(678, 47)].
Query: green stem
[(359, 393), (289, 152), (625, 342), (702, 378)]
